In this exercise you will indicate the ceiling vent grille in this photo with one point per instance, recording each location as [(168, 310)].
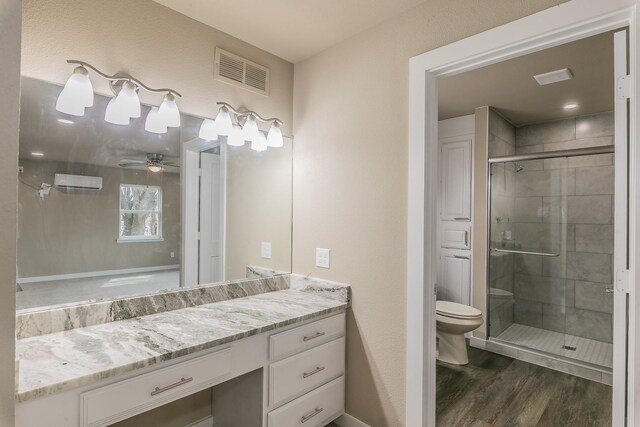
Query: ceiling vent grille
[(237, 71)]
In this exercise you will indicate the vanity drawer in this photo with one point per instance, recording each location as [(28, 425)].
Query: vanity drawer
[(314, 409), (303, 372), (305, 337), (124, 399)]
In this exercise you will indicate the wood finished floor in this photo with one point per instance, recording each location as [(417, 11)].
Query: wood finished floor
[(494, 390)]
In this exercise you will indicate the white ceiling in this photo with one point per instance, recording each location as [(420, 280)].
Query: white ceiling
[(510, 88), (291, 29)]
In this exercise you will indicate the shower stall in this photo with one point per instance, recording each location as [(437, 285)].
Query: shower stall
[(550, 253)]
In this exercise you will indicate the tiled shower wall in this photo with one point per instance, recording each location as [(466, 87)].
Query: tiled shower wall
[(565, 206)]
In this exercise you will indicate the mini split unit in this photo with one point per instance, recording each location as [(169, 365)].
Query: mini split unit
[(78, 182)]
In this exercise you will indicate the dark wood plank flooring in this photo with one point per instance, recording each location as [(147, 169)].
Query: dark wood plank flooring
[(494, 390)]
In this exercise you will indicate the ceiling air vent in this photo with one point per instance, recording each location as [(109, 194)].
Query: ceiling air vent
[(237, 71)]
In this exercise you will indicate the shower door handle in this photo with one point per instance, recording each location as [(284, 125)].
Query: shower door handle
[(510, 251)]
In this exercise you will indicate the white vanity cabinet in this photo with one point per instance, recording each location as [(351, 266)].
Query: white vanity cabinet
[(302, 382)]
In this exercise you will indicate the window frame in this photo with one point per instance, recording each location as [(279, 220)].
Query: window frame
[(140, 239)]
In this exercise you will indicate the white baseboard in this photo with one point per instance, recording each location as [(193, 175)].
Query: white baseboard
[(205, 422), (347, 420), (84, 275)]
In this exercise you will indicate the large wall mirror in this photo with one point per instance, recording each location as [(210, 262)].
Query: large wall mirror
[(109, 211)]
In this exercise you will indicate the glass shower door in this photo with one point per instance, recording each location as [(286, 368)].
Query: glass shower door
[(529, 239)]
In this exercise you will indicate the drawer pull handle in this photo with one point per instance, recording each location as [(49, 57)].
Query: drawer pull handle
[(315, 371), (159, 390), (312, 337), (311, 415)]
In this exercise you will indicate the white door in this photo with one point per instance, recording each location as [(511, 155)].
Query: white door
[(620, 263), (209, 269), (455, 179), (454, 283)]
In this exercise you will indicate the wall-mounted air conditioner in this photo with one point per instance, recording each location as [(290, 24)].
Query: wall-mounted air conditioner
[(78, 182)]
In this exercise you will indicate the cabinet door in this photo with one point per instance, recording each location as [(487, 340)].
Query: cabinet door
[(455, 179), (454, 283)]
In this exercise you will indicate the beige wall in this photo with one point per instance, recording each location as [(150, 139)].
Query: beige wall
[(479, 229), (9, 123), (350, 180), (73, 231), (153, 43)]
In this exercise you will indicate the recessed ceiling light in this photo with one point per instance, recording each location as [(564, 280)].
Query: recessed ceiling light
[(37, 154), (554, 76), (66, 121), (571, 106)]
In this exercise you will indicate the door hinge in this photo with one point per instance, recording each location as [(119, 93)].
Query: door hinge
[(622, 281), (198, 236), (623, 87), (199, 171)]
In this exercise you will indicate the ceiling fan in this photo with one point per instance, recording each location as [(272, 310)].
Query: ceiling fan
[(154, 163)]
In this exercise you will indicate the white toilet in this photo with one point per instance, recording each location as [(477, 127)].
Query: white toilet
[(453, 320)]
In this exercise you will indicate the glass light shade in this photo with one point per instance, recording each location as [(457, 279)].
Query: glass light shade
[(154, 168), (115, 114), (259, 143), (250, 129), (208, 130), (154, 123), (128, 100), (274, 138), (223, 124), (77, 94), (235, 139), (169, 111)]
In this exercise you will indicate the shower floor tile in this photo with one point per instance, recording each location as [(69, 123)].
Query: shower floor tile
[(587, 350)]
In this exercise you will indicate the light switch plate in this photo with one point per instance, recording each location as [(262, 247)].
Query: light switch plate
[(265, 250), (323, 257)]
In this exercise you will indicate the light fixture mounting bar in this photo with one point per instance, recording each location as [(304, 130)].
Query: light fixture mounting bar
[(121, 78), (241, 114)]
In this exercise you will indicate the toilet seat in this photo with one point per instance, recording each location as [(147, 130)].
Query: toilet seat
[(457, 311)]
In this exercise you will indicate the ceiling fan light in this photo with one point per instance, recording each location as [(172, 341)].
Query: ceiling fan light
[(208, 130), (223, 123), (259, 143), (154, 167), (77, 93), (274, 138), (236, 138), (169, 111), (154, 123), (116, 115), (250, 129)]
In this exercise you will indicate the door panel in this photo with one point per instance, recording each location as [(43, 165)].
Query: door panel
[(455, 179)]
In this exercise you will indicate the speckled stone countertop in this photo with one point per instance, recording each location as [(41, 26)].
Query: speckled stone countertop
[(60, 361)]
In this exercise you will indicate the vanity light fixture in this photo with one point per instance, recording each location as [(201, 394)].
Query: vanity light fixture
[(246, 129), (235, 137), (154, 123), (208, 130), (78, 95)]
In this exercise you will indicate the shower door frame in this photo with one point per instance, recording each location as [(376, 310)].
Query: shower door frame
[(575, 152), (567, 22)]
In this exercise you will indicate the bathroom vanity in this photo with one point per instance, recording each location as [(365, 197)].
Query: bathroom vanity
[(273, 358)]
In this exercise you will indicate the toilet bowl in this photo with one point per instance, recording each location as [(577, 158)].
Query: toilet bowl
[(453, 320)]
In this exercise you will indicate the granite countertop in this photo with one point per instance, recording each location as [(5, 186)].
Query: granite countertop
[(60, 361)]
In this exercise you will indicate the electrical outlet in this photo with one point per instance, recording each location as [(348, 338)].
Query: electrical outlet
[(265, 250), (323, 257), (173, 254)]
